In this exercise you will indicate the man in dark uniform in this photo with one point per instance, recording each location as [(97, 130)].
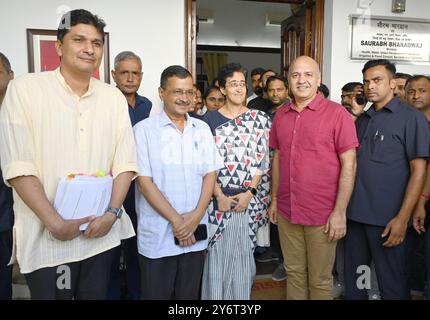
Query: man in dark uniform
[(391, 167)]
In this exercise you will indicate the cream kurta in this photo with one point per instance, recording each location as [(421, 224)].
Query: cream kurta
[(47, 131)]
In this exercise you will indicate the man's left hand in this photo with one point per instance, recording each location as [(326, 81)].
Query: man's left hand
[(100, 226), (191, 221), (396, 229), (336, 226)]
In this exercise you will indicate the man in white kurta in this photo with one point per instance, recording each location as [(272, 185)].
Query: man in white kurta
[(53, 124)]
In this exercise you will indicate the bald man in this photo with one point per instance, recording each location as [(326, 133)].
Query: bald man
[(313, 173)]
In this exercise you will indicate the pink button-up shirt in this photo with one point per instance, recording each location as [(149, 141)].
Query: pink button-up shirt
[(309, 145)]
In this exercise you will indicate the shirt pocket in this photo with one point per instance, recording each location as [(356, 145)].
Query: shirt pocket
[(385, 147), (318, 139), (199, 160)]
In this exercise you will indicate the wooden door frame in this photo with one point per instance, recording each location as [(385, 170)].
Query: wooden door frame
[(319, 32), (191, 34)]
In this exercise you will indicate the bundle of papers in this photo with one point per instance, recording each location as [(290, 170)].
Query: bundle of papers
[(83, 196)]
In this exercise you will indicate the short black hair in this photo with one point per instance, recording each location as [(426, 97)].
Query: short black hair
[(5, 62), (209, 90), (416, 77), (269, 70), (400, 75), (78, 16), (173, 71), (227, 70), (324, 90), (350, 86), (391, 68), (276, 77), (256, 71)]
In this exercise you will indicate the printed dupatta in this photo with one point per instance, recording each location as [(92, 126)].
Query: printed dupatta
[(243, 143)]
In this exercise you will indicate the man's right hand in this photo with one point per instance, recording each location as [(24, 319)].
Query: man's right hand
[(181, 229), (65, 230), (273, 212), (358, 109)]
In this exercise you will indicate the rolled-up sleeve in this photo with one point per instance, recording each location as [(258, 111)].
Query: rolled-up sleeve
[(16, 143), (125, 150)]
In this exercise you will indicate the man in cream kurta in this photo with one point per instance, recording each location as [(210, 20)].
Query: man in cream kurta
[(51, 126)]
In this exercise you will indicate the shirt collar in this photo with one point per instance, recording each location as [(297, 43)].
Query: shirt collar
[(314, 105), (394, 105), (66, 87), (165, 120), (139, 99)]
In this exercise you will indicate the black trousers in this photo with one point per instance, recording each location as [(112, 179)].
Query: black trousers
[(5, 270), (362, 244), (172, 278), (83, 280), (128, 249), (415, 262)]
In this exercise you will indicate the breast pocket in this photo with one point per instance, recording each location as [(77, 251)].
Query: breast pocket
[(385, 147), (309, 137), (199, 158), (318, 139)]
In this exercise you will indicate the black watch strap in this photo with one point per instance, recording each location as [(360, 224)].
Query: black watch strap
[(253, 190)]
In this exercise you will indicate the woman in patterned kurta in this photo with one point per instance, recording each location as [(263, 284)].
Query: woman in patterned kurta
[(235, 214)]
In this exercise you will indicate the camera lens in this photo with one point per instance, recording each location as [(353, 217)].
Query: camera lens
[(360, 99)]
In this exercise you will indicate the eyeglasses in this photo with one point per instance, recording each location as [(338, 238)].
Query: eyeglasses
[(180, 93), (236, 84)]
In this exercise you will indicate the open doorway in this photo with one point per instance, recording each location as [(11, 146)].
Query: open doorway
[(267, 34)]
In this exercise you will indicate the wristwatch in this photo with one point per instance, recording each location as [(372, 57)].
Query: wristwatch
[(253, 190), (116, 211)]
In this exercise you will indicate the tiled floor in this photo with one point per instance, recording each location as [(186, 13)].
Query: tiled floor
[(264, 287)]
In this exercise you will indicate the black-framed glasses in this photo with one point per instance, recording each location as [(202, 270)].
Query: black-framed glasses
[(236, 84), (180, 93)]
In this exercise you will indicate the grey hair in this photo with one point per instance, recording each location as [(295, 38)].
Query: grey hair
[(5, 62), (126, 55)]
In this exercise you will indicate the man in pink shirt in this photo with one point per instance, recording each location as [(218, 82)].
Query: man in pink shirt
[(313, 174)]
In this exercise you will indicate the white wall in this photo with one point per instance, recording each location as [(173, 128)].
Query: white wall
[(338, 69), (240, 23), (152, 29)]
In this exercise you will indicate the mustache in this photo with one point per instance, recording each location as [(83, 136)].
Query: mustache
[(183, 102)]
